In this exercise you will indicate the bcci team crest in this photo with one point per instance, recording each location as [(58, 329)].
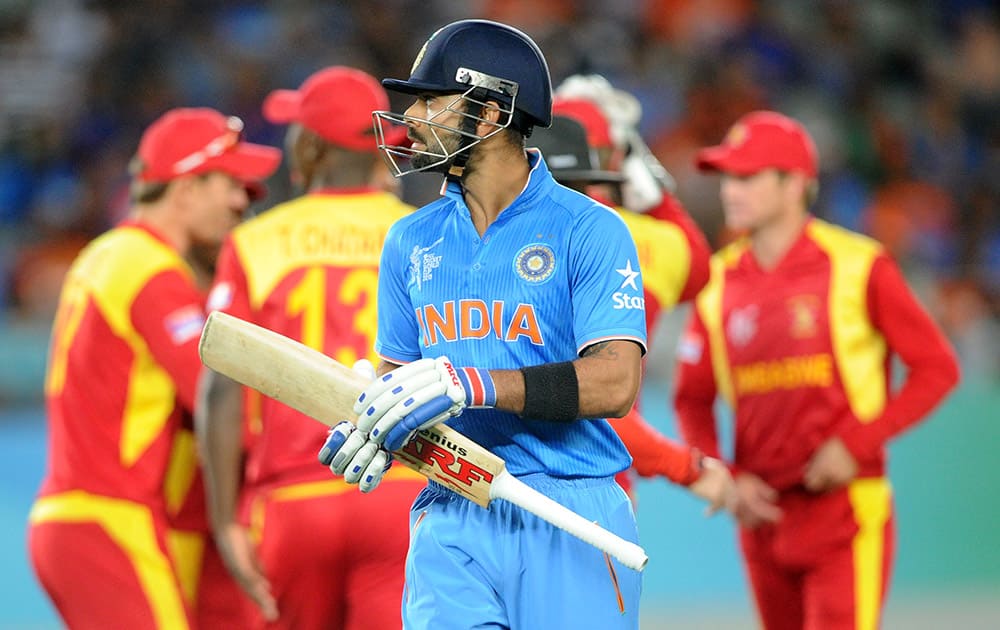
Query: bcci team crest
[(423, 50), (535, 263)]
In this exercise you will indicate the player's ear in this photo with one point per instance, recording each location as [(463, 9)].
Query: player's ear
[(490, 118)]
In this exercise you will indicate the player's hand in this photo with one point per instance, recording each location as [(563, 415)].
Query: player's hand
[(410, 398), (349, 453), (756, 501), (830, 467), (238, 554), (715, 485)]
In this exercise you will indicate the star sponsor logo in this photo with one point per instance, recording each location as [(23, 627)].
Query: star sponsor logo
[(629, 276), (535, 263), (623, 299), (423, 262)]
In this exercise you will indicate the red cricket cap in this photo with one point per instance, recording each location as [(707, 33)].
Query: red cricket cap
[(187, 141), (588, 114), (336, 103), (760, 140)]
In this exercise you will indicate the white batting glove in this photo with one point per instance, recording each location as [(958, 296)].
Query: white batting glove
[(410, 398), (349, 453)]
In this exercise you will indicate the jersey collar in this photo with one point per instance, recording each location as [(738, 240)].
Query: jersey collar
[(540, 184)]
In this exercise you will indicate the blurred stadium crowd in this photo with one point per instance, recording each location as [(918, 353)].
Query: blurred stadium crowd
[(903, 98)]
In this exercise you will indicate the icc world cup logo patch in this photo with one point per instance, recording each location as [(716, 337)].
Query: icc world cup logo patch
[(535, 263)]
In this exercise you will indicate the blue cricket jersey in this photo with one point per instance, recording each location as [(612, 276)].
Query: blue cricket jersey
[(555, 273)]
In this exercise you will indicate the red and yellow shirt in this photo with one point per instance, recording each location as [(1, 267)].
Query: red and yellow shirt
[(307, 269), (123, 366), (801, 353)]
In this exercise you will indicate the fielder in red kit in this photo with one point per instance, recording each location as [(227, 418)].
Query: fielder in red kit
[(673, 253), (121, 380), (796, 330), (308, 269), (665, 251)]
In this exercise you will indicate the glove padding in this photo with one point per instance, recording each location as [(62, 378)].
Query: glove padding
[(410, 398), (349, 453)]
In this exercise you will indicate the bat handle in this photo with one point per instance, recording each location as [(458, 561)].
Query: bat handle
[(508, 487)]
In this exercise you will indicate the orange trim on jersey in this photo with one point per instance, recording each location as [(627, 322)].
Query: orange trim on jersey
[(871, 500), (859, 349), (614, 583), (591, 342), (130, 526)]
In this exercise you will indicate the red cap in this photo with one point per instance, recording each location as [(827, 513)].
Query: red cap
[(589, 115), (336, 103), (761, 140), (188, 141)]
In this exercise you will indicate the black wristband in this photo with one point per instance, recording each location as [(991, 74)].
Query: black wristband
[(551, 392)]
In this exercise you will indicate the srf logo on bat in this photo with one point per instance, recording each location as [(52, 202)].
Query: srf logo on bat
[(440, 458)]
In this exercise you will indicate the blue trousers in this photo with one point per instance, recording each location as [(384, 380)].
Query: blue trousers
[(503, 567)]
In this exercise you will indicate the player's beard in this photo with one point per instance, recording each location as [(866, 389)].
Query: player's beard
[(444, 142)]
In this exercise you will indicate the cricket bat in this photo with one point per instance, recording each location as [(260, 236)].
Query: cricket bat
[(320, 387)]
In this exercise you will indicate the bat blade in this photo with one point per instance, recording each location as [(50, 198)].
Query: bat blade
[(318, 386)]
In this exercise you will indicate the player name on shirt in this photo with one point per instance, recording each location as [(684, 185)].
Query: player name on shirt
[(337, 242)]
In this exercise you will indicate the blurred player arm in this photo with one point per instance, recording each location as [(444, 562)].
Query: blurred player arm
[(218, 422), (654, 454), (694, 397), (218, 426), (932, 368)]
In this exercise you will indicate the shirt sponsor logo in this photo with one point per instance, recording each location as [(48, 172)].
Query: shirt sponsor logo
[(423, 262), (185, 323), (762, 377), (221, 297), (630, 276), (535, 263), (623, 299), (477, 319), (742, 325)]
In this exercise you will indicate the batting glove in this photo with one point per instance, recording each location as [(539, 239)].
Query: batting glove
[(349, 453), (417, 396)]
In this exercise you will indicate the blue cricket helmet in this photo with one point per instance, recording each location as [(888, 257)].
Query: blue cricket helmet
[(498, 58)]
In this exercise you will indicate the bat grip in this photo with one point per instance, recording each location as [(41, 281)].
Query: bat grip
[(506, 486)]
